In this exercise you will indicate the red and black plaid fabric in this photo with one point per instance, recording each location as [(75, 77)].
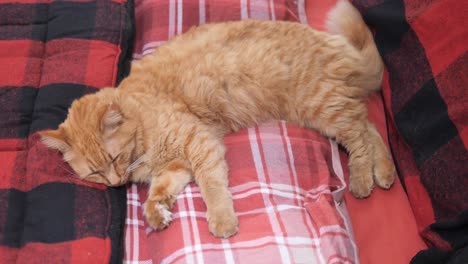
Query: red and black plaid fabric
[(423, 44), (52, 52)]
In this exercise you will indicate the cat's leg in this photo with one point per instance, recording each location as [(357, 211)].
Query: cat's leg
[(368, 157), (345, 119), (163, 191), (384, 169), (206, 153), (361, 163)]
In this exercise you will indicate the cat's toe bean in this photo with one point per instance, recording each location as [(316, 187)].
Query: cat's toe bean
[(223, 225)]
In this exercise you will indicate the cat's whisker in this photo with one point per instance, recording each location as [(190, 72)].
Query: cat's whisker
[(137, 163), (133, 167)]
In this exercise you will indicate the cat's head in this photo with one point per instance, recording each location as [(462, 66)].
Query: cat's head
[(97, 139)]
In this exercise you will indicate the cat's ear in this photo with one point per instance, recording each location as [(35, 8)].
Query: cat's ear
[(55, 139), (111, 120)]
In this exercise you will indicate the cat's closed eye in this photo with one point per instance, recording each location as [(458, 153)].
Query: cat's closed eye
[(116, 157)]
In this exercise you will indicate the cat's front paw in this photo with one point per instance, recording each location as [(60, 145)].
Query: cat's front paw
[(223, 224), (157, 214)]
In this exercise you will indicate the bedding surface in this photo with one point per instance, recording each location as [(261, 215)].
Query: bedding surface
[(52, 52)]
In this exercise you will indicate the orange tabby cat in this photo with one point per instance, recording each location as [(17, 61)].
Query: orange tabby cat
[(165, 123)]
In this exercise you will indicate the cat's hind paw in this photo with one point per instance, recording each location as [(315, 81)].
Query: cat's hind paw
[(384, 173), (361, 181)]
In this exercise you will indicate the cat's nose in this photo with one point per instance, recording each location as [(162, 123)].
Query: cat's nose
[(114, 180)]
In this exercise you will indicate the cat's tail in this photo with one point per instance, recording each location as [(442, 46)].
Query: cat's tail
[(344, 19)]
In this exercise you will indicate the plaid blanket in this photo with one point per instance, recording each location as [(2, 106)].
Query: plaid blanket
[(423, 44), (287, 183), (52, 52)]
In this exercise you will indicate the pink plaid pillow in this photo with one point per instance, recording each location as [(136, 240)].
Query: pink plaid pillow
[(287, 190), (159, 20), (287, 182)]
